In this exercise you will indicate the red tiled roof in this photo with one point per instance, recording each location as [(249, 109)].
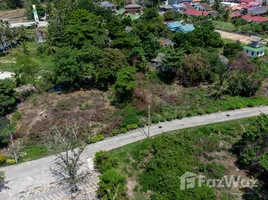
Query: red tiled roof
[(254, 18), (244, 5), (195, 12), (235, 14), (188, 5), (246, 1)]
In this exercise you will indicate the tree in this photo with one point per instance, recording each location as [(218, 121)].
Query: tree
[(170, 15), (125, 82), (150, 46), (226, 15), (26, 71), (219, 88), (113, 60), (13, 4), (7, 97), (216, 6), (243, 84), (231, 50), (67, 143)]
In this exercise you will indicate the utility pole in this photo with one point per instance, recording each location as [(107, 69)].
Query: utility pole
[(149, 120), (13, 148)]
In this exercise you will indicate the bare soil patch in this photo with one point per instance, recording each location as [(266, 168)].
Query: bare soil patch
[(18, 15)]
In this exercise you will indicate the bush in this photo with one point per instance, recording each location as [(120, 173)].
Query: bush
[(104, 162), (162, 119), (215, 170), (180, 116), (3, 159), (123, 130), (84, 106), (129, 115), (94, 139), (10, 161), (112, 184), (132, 126), (115, 132), (155, 120)]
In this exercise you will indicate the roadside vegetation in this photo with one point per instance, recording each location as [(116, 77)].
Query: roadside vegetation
[(151, 169)]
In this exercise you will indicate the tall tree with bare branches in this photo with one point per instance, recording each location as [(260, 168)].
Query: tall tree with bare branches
[(67, 143)]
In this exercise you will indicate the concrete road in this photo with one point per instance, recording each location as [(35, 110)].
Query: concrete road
[(27, 177), (27, 24)]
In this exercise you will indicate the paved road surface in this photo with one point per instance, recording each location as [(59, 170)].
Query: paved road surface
[(26, 24), (27, 177)]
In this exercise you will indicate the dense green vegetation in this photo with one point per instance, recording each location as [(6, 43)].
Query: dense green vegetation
[(156, 164)]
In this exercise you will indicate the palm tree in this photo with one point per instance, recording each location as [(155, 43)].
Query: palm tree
[(219, 88), (226, 15)]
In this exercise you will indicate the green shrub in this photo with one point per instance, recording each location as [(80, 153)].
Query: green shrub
[(155, 120), (16, 117), (179, 116), (10, 161), (115, 132), (129, 116), (132, 126), (104, 162), (84, 106), (112, 185), (123, 130), (94, 139), (215, 170), (3, 159), (162, 119)]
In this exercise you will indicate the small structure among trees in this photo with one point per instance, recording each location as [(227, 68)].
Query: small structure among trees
[(255, 48)]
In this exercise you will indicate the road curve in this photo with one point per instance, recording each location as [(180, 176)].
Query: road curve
[(30, 175)]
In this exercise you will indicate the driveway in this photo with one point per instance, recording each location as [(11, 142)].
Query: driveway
[(30, 176)]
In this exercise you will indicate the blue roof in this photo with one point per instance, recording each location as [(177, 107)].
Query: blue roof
[(178, 27), (173, 25)]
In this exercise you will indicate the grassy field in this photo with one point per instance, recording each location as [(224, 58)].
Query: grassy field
[(224, 25), (8, 60)]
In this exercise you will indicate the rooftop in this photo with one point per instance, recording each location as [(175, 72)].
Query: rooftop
[(255, 38), (196, 12), (257, 11), (254, 49), (206, 6), (254, 18), (178, 27)]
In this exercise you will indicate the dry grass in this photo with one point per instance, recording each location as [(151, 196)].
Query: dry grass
[(90, 108)]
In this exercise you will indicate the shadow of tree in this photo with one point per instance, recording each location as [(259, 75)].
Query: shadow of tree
[(3, 182)]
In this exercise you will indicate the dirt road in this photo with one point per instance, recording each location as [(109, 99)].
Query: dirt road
[(236, 36)]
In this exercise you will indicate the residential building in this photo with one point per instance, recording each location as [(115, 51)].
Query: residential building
[(176, 26), (254, 48), (107, 5), (157, 62), (171, 2), (203, 7), (191, 12), (235, 14), (165, 42), (258, 11), (256, 19)]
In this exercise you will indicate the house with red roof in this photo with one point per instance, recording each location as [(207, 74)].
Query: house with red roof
[(191, 12), (256, 19), (235, 14)]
